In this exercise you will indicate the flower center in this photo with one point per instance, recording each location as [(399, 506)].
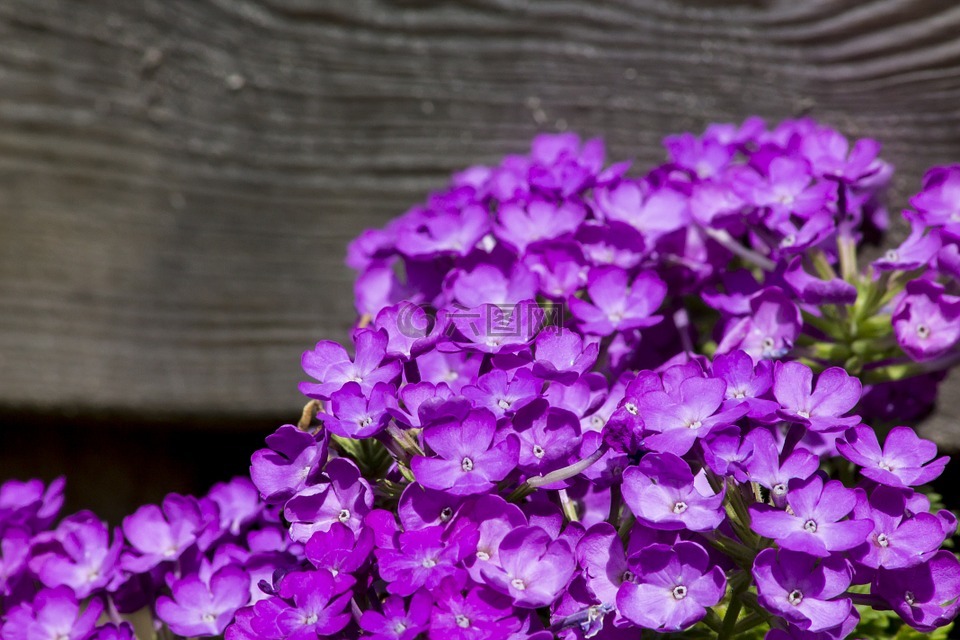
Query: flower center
[(923, 331), (909, 598), (462, 621), (680, 507), (768, 343), (483, 555), (679, 592), (597, 422), (739, 394), (429, 563), (631, 408), (779, 489), (789, 241), (891, 255), (694, 424), (208, 617), (344, 515), (446, 514), (803, 413), (810, 525), (466, 464), (538, 451), (503, 404), (518, 584), (883, 464), (795, 597), (627, 576), (883, 540), (366, 421), (311, 619), (399, 627)]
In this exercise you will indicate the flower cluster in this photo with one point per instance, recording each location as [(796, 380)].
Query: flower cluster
[(578, 404), (193, 561)]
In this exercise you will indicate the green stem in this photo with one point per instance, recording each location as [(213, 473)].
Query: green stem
[(616, 500), (730, 618), (713, 621), (749, 622), (904, 370)]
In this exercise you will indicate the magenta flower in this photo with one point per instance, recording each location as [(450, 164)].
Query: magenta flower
[(491, 328), (814, 524), (927, 595), (652, 211), (30, 504), (330, 364), (494, 284), (561, 355), (802, 589), (548, 436), (897, 541), (663, 492), (534, 568), (307, 604), (937, 201), (238, 504), (411, 329), (161, 534), (600, 553), (813, 290), (204, 607), (424, 558), (431, 234), (906, 460), (494, 518), (674, 587), (467, 461), (54, 614), (926, 321), (395, 621), (346, 499), (768, 332), (355, 413), (339, 550), (293, 461), (747, 383), (81, 555), (560, 268), (617, 304), (821, 409), (502, 394), (521, 224), (918, 250), (475, 613)]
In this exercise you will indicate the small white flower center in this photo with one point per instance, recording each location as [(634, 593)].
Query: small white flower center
[(208, 617), (344, 515), (311, 619), (810, 525), (694, 424), (627, 576), (462, 621), (597, 422), (883, 540), (399, 627), (883, 464), (891, 255), (679, 592), (680, 507), (366, 421), (466, 464), (789, 241), (795, 597), (503, 404), (923, 331), (483, 555), (518, 584), (446, 514), (909, 598), (538, 451), (803, 413), (779, 489), (768, 343), (631, 408), (429, 563), (739, 394)]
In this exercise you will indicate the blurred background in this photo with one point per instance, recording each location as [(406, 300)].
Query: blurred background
[(179, 179)]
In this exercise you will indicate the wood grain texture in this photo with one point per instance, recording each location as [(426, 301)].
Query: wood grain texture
[(179, 178)]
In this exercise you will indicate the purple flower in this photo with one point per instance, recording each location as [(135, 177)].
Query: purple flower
[(14, 555), (830, 155), (468, 462), (521, 224), (770, 329), (491, 328), (339, 550), (937, 202), (161, 534), (906, 460), (600, 553), (926, 321), (477, 613), (916, 251), (534, 568), (81, 555), (746, 383), (330, 364), (927, 595), (560, 268), (355, 413), (815, 291), (498, 284), (677, 420), (501, 393), (54, 614), (663, 492), (773, 470), (110, 631), (548, 436), (431, 234), (395, 621), (561, 355), (420, 507), (674, 587), (293, 461), (308, 604), (204, 607), (803, 589), (238, 504), (822, 409), (29, 504), (494, 518), (652, 211), (814, 524), (897, 541), (346, 499), (618, 304), (424, 558), (411, 329)]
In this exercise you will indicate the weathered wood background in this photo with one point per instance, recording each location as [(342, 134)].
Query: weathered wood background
[(179, 178)]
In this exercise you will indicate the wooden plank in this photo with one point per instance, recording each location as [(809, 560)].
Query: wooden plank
[(179, 178)]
